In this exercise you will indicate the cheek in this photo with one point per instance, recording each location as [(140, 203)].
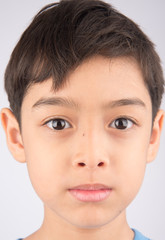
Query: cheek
[(132, 166), (46, 166)]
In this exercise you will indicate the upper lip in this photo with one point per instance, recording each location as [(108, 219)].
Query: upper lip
[(97, 186)]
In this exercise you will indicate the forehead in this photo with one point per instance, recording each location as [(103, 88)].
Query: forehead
[(96, 80)]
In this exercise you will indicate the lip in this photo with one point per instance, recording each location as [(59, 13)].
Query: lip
[(96, 186), (90, 192)]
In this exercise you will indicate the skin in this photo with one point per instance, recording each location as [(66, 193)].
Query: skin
[(54, 157)]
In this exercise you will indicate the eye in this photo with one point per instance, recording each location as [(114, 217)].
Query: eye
[(57, 124), (122, 123)]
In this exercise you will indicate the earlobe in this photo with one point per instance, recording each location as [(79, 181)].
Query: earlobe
[(13, 134), (155, 136)]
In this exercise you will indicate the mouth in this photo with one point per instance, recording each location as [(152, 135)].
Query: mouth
[(90, 192)]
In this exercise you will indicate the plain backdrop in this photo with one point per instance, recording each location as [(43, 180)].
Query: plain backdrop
[(21, 211)]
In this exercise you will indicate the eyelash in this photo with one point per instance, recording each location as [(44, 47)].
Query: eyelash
[(121, 120), (55, 120), (129, 122)]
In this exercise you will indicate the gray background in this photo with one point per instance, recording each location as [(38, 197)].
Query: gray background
[(21, 211)]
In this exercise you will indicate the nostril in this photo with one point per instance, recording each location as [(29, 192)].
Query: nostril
[(100, 164), (81, 164)]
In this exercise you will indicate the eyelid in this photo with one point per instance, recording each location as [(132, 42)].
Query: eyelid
[(56, 119), (134, 122), (126, 118), (51, 118)]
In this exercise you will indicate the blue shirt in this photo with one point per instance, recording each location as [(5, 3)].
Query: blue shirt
[(138, 236)]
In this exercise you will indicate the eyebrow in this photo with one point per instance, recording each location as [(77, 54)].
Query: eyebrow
[(66, 102), (56, 101), (125, 102)]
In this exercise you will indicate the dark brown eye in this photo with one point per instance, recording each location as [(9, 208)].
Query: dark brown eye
[(58, 124), (122, 123)]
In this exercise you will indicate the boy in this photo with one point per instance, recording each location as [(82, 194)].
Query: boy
[(86, 85)]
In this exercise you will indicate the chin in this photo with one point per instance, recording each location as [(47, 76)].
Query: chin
[(90, 222)]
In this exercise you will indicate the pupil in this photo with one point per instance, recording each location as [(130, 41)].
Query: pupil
[(121, 123), (58, 124)]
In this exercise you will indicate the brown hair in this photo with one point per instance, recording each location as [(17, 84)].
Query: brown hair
[(62, 35)]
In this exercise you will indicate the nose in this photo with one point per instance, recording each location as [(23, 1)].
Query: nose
[(93, 161), (91, 153), (89, 166)]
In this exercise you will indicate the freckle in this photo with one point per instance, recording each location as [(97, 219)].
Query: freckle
[(83, 134)]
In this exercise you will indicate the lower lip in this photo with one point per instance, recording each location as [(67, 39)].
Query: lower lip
[(90, 195)]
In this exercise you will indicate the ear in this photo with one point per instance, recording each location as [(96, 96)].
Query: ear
[(155, 136), (13, 134)]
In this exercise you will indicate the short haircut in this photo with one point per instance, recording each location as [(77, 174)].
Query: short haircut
[(62, 35)]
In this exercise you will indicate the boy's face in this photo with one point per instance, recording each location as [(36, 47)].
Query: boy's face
[(104, 137)]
